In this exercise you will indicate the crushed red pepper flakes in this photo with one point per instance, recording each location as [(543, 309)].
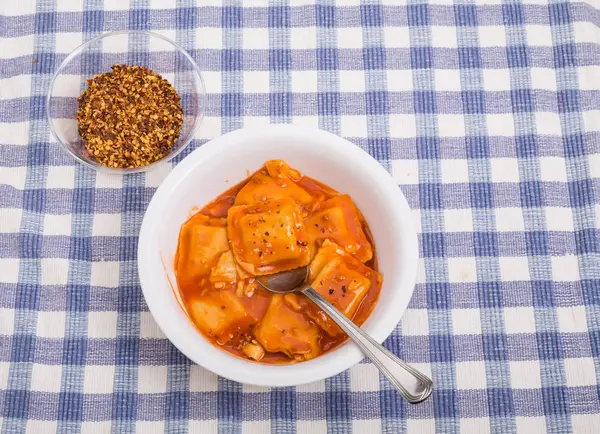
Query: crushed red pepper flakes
[(129, 117)]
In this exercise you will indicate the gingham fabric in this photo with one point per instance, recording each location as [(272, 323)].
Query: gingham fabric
[(485, 112)]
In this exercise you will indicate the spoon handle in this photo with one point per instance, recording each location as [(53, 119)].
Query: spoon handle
[(413, 385)]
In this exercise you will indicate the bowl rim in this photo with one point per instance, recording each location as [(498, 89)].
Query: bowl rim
[(77, 51), (343, 357)]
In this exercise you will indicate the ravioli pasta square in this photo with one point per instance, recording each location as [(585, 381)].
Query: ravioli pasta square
[(224, 272), (218, 314), (268, 237), (338, 220), (284, 330), (274, 235), (341, 279), (272, 183), (202, 239)]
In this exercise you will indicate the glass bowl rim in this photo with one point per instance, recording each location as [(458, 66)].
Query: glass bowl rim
[(77, 51)]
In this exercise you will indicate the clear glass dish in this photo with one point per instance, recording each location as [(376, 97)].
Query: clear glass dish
[(131, 47)]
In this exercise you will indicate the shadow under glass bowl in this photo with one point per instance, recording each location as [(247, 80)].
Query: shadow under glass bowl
[(97, 56)]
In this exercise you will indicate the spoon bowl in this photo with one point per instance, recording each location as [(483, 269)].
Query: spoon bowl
[(287, 281)]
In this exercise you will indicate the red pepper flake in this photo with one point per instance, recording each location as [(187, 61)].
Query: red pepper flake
[(129, 117), (267, 234), (331, 291), (344, 289)]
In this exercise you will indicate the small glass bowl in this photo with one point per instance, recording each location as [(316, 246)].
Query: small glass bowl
[(97, 56)]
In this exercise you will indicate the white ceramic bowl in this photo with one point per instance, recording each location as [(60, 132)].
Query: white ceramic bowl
[(227, 160)]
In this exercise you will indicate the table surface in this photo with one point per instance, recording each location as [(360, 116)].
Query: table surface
[(487, 115)]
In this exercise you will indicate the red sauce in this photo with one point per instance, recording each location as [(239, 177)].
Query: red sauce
[(230, 317)]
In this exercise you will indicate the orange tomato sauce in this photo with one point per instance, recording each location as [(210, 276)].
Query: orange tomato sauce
[(216, 267)]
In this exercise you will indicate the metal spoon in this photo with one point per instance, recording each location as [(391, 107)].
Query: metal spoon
[(414, 386)]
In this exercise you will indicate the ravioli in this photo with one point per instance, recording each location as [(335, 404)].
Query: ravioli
[(268, 237), (337, 219), (342, 280), (220, 315), (225, 271), (286, 331), (202, 239), (275, 181)]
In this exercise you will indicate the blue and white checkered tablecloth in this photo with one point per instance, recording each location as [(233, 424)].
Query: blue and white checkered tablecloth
[(487, 113)]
